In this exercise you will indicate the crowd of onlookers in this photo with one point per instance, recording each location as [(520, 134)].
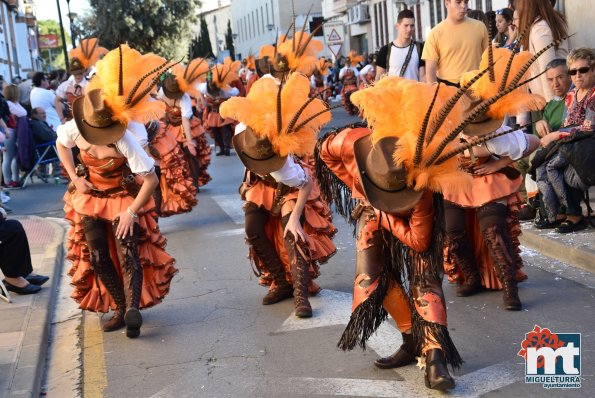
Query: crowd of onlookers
[(30, 112)]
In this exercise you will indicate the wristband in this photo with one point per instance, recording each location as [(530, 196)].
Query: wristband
[(131, 213)]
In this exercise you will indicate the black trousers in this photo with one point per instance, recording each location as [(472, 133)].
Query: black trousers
[(223, 137), (15, 257)]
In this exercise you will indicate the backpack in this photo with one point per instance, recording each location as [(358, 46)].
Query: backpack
[(580, 152), (419, 46)]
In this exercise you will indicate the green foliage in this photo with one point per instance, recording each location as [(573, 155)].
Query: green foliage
[(46, 27), (159, 26), (201, 43), (229, 41)]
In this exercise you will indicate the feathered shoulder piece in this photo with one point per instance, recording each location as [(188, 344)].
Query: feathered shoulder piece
[(402, 108), (88, 52), (225, 73), (125, 78), (355, 58), (508, 69), (283, 114), (193, 73)]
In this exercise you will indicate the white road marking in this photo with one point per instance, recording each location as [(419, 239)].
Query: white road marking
[(334, 308), (232, 205), (227, 232)]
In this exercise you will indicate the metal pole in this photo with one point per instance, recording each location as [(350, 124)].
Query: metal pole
[(63, 36), (71, 21)]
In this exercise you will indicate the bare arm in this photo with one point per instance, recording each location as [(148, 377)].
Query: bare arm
[(293, 224), (422, 74), (188, 134), (380, 71), (65, 154), (431, 70), (59, 107)]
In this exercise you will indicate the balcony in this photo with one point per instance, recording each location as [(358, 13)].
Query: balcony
[(341, 6), (358, 14)]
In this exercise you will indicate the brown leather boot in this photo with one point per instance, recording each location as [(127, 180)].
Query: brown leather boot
[(132, 272), (437, 376), (300, 277), (403, 356), (505, 267), (267, 254), (460, 249), (99, 256)]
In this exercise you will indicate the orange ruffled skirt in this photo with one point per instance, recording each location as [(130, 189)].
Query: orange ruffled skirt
[(317, 225), (203, 150), (177, 189), (158, 265)]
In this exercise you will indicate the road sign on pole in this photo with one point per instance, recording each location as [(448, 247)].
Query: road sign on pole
[(335, 49), (334, 32)]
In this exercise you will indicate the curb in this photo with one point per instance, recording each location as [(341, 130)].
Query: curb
[(30, 364), (581, 256)]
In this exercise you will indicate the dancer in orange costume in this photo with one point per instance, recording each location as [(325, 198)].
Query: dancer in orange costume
[(349, 77), (118, 255), (274, 146), (318, 81), (216, 91)]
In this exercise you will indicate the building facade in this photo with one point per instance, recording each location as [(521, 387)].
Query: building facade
[(18, 39), (259, 22), (216, 14)]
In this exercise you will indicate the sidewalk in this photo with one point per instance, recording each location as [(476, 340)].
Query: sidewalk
[(26, 321), (577, 248)]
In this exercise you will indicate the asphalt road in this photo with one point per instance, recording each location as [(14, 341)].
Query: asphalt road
[(211, 337)]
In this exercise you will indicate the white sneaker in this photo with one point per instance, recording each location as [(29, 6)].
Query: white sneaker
[(4, 197)]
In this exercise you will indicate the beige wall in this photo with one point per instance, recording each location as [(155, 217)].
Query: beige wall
[(579, 14)]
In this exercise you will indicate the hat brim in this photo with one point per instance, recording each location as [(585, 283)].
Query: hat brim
[(172, 94), (94, 135), (258, 166), (478, 129), (381, 199)]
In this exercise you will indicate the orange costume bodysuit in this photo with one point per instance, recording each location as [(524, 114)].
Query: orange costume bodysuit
[(382, 261), (104, 203)]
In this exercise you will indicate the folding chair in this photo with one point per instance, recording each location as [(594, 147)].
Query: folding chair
[(43, 156), (4, 295)]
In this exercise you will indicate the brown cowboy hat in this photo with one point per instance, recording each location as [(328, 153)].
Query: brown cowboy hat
[(384, 184), (94, 119), (482, 124), (257, 153), (171, 88), (76, 66)]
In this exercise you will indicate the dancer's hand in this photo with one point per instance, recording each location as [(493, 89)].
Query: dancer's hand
[(295, 227), (491, 166), (125, 225), (191, 147), (82, 185)]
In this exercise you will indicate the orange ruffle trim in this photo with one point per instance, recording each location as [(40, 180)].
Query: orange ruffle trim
[(483, 258), (177, 189), (158, 265), (203, 151), (317, 225)]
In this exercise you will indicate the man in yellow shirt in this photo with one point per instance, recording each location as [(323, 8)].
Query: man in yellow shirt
[(455, 45)]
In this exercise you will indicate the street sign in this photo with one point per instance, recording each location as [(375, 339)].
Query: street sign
[(335, 49), (334, 32), (48, 41)]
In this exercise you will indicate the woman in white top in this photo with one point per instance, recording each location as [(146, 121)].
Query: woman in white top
[(42, 97), (10, 168), (545, 25)]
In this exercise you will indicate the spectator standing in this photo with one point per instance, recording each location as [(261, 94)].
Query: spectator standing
[(10, 168), (402, 56), (544, 25), (25, 91), (504, 19), (42, 97), (455, 45)]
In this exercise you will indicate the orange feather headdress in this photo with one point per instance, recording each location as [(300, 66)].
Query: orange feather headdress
[(225, 73), (507, 71), (88, 52), (355, 58), (322, 66), (250, 62), (283, 114), (402, 108), (193, 73), (125, 78)]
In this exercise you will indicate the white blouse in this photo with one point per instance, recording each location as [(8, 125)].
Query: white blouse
[(185, 103), (138, 160), (512, 144)]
